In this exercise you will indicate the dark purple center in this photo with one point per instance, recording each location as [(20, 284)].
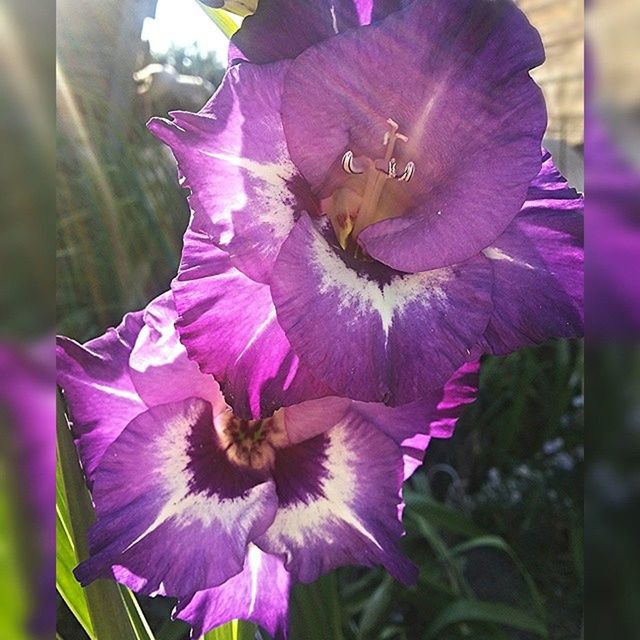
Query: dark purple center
[(211, 470), (299, 471)]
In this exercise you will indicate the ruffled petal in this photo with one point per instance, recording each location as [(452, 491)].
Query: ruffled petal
[(435, 413), (110, 380), (339, 495), (98, 389), (285, 28), (245, 191), (228, 325), (538, 268), (259, 593), (454, 75), (172, 510), (375, 334), (433, 416), (159, 366)]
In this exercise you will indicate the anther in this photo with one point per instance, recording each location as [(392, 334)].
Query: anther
[(392, 168), (408, 172), (347, 163)]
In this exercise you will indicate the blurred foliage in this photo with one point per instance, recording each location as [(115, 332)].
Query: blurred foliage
[(192, 61), (493, 518), (613, 491)]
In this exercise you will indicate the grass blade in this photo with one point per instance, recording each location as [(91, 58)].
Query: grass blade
[(222, 19), (492, 612), (110, 614), (494, 542), (234, 630)]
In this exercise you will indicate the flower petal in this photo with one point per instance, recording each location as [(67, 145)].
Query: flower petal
[(432, 416), (110, 380), (285, 28), (245, 191), (98, 389), (339, 495), (259, 593), (159, 366), (436, 413), (454, 75), (308, 419), (228, 325), (372, 333), (168, 500), (538, 268)]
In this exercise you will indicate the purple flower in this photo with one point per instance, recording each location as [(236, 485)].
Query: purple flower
[(377, 211), (224, 512)]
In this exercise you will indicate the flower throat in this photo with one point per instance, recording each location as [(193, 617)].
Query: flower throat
[(251, 443), (356, 204)]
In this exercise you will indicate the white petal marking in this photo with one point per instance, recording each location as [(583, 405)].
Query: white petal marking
[(254, 559), (181, 504), (493, 253), (388, 301), (303, 522)]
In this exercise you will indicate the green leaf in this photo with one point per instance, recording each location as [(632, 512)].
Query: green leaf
[(378, 607), (499, 544), (13, 583), (222, 19), (492, 612), (316, 613), (112, 609), (438, 515), (68, 587), (456, 578), (239, 7), (234, 630)]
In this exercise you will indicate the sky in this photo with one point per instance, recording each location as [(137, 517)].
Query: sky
[(182, 23)]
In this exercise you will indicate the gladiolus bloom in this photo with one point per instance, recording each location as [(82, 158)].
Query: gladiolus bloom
[(221, 511), (382, 197)]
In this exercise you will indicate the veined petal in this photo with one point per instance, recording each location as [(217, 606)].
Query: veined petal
[(228, 325), (538, 268), (98, 389), (259, 593), (159, 366), (432, 416), (372, 333), (171, 508), (308, 419), (338, 500), (245, 191), (454, 75), (285, 28), (112, 379)]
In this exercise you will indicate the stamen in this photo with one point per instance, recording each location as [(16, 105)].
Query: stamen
[(408, 172), (377, 172), (249, 443), (347, 163)]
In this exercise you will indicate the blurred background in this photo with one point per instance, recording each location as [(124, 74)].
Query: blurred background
[(495, 517)]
